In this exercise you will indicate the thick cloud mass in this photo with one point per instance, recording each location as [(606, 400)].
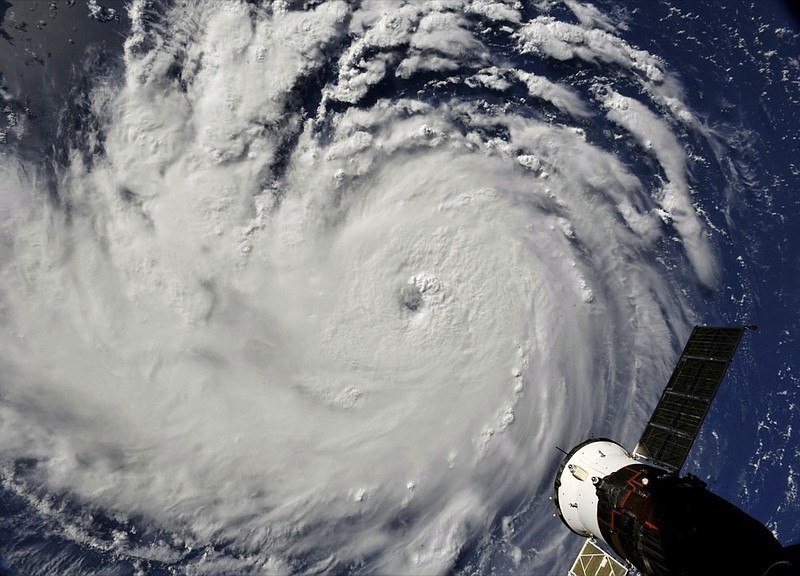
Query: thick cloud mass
[(333, 283)]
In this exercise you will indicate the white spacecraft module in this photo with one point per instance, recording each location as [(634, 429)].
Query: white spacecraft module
[(637, 503)]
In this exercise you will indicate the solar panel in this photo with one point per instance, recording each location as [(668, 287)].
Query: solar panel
[(683, 406), (594, 561)]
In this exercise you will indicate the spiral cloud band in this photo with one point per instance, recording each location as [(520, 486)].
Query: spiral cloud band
[(328, 284)]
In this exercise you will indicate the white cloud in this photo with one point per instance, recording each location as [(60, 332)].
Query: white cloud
[(288, 328)]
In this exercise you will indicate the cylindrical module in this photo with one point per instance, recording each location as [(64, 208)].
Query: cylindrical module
[(576, 485), (663, 524)]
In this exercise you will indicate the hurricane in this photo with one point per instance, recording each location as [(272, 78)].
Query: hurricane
[(322, 287)]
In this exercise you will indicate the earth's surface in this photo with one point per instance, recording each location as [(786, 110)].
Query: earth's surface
[(319, 287)]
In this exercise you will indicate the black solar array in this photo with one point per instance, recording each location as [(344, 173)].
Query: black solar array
[(677, 418)]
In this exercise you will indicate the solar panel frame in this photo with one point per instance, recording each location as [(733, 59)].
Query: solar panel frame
[(594, 561), (684, 404)]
